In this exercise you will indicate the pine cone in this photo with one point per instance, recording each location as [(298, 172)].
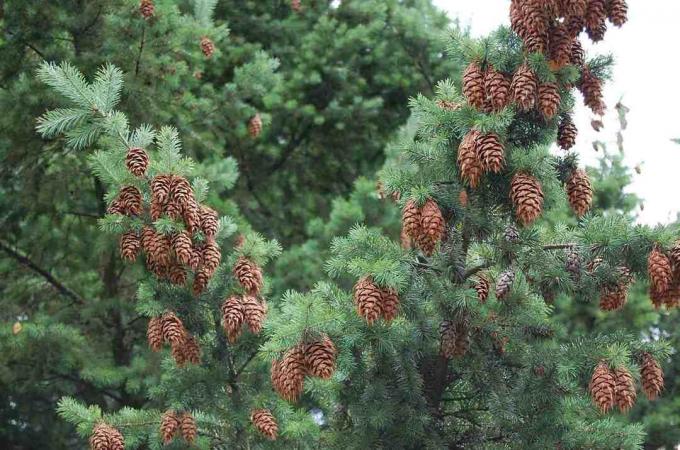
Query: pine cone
[(255, 126), (161, 185), (265, 423), (130, 200), (289, 374), (578, 55), (618, 12), (254, 313), (603, 387), (597, 34), (517, 20), (566, 133), (146, 9), (579, 192), (432, 227), (625, 389), (192, 217), (233, 316), (207, 47), (675, 256), (511, 234), (560, 45), (548, 99), (527, 198), (596, 13), (535, 16), (591, 88), (660, 271), (504, 284), (390, 304), (482, 286), (208, 220), (169, 426), (99, 439), (248, 274), (524, 88), (182, 246), (154, 333), (177, 274), (173, 329), (574, 7), (536, 42), (137, 161), (651, 376), (188, 428), (490, 152), (473, 85), (192, 350), (573, 265), (497, 88), (614, 297), (181, 191), (368, 299), (201, 280), (410, 219), (159, 249), (211, 256), (320, 358), (447, 332), (129, 245), (470, 167), (296, 5)]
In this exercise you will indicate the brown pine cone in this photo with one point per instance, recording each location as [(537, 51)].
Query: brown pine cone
[(524, 88), (517, 20), (173, 329), (177, 274), (497, 88), (233, 316), (146, 9), (614, 297), (211, 256), (573, 265), (504, 284), (527, 198), (137, 161), (490, 152), (482, 286), (536, 42), (99, 439), (618, 12), (368, 299), (660, 271), (183, 247), (575, 25), (597, 34), (473, 85), (201, 280), (255, 126), (566, 133), (148, 238), (469, 166), (536, 16), (181, 191), (447, 336), (596, 13), (129, 245), (591, 88), (432, 227), (548, 99), (191, 216), (560, 44), (290, 374), (578, 55), (159, 249), (192, 350), (574, 7), (169, 426), (625, 389), (207, 47), (130, 200), (410, 220), (320, 358), (265, 423), (390, 304), (188, 428), (208, 220), (255, 312), (675, 256), (602, 387), (249, 275), (177, 352), (154, 333), (579, 192), (161, 186), (651, 376)]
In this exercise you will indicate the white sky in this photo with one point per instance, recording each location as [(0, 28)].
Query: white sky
[(645, 77)]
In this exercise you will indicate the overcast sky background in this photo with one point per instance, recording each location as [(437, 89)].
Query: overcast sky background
[(645, 78)]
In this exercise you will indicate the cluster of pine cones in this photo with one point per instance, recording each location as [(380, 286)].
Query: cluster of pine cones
[(106, 437), (664, 276), (316, 358), (265, 423), (248, 308), (609, 388), (173, 423), (424, 226), (373, 302), (169, 329)]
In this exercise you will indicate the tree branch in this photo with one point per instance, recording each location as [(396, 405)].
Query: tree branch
[(477, 269), (558, 246)]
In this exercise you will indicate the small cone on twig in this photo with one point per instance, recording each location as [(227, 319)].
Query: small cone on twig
[(265, 423), (390, 304), (504, 284), (410, 219), (447, 333), (208, 221), (130, 244), (172, 328), (146, 9), (320, 358), (497, 88), (618, 12), (182, 246), (106, 437), (591, 88), (602, 387), (154, 333)]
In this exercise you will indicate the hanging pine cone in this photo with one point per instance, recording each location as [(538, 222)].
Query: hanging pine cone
[(613, 297), (181, 191), (578, 55), (177, 274), (490, 152), (535, 16), (482, 286), (566, 133), (497, 89), (320, 358), (504, 284), (255, 312), (182, 246), (169, 426), (536, 42), (154, 333), (469, 165), (596, 13), (675, 256), (447, 332), (173, 329), (161, 185), (192, 350), (574, 7), (130, 200), (432, 227), (660, 271), (249, 275), (527, 198), (368, 299), (524, 88), (618, 12), (573, 265), (207, 47), (146, 9), (106, 437), (651, 376), (390, 304), (255, 126), (265, 423), (602, 387), (511, 234), (296, 5), (591, 88), (233, 316), (625, 389), (597, 34), (159, 249), (136, 161), (560, 45), (129, 245), (288, 375), (211, 256), (517, 20), (188, 428), (208, 221), (548, 99), (410, 219), (579, 192), (192, 217), (201, 280), (473, 85)]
